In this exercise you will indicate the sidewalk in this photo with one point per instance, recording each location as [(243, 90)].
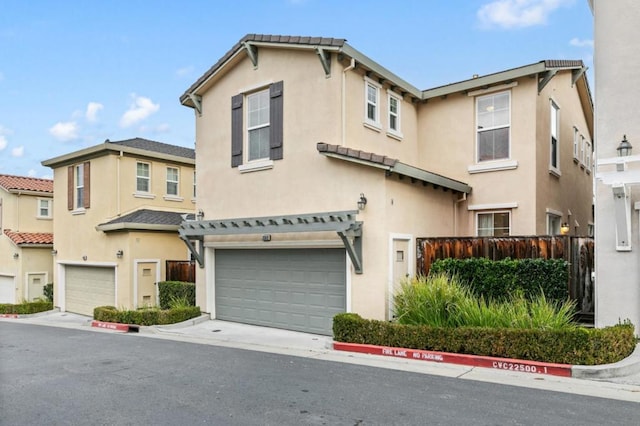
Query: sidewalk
[(617, 381)]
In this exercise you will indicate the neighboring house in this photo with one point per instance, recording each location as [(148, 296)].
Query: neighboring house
[(118, 206), (26, 239), (617, 84), (318, 168)]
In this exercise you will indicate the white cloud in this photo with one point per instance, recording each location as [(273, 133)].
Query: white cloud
[(140, 109), (518, 13), (92, 111), (32, 173), (163, 128), (3, 142), (184, 72), (4, 132), (581, 43), (18, 151), (64, 131)]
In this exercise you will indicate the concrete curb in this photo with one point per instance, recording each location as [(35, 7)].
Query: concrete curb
[(188, 323), (626, 367), (134, 328), (35, 315)]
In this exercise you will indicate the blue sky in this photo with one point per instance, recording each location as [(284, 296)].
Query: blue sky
[(74, 73)]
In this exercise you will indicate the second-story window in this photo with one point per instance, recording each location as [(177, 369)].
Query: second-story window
[(194, 184), (79, 186), (554, 155), (372, 103), (44, 208), (493, 121), (395, 105), (258, 125), (172, 181), (143, 177)]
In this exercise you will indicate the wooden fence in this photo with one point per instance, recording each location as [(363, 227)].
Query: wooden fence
[(181, 270), (577, 251)]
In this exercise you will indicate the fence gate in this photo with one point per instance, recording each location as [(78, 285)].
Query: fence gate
[(181, 270)]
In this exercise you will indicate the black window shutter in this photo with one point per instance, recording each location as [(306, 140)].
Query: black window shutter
[(276, 120), (236, 130)]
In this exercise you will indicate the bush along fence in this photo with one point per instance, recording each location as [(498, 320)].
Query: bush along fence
[(577, 346), (170, 291), (578, 252), (26, 307)]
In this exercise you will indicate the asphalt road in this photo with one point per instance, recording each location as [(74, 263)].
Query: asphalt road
[(55, 376)]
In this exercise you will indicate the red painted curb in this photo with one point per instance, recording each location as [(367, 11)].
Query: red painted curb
[(110, 325), (9, 316), (535, 367)]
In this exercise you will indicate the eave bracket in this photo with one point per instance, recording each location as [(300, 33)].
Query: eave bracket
[(197, 102), (325, 60), (252, 51), (546, 78)]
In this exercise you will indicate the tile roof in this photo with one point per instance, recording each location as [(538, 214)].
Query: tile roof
[(154, 146), (264, 38), (357, 154), (150, 217), (29, 238), (24, 183)]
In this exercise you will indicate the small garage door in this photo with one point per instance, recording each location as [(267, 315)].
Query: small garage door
[(294, 289), (87, 287), (7, 289)]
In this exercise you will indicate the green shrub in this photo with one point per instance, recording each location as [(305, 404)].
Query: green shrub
[(47, 290), (499, 279), (146, 316), (577, 346), (26, 307), (172, 290)]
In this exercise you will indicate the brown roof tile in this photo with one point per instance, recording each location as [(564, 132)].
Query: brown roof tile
[(356, 153), (23, 183), (21, 238)]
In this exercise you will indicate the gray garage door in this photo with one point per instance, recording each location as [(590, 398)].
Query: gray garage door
[(294, 289), (87, 287)]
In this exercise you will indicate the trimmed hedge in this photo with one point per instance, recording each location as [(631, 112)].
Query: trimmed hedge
[(495, 279), (150, 316), (579, 346), (170, 290), (26, 307)]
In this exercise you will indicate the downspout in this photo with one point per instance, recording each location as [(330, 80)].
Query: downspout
[(455, 213), (118, 184), (351, 66)]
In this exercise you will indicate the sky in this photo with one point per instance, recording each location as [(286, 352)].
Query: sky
[(76, 72)]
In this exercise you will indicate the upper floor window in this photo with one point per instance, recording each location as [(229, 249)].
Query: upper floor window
[(143, 177), (79, 186), (494, 224), (264, 131), (587, 155), (493, 120), (554, 149), (44, 207), (194, 184), (172, 181), (372, 103), (395, 105), (576, 144), (258, 125)]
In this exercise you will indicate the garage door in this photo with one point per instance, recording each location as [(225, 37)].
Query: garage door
[(87, 287), (294, 289), (7, 289)]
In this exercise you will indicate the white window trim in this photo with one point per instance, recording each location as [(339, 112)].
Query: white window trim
[(587, 156), (493, 166), (554, 170), (246, 140), (172, 198), (177, 182), (137, 191), (367, 121), (256, 166), (478, 213), (497, 92), (554, 214), (79, 174), (576, 143), (49, 208), (495, 206), (394, 133), (145, 195)]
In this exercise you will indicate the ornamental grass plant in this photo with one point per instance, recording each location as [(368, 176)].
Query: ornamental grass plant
[(442, 301)]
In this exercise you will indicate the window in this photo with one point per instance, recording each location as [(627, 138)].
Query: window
[(582, 144), (143, 177), (553, 224), (172, 181), (372, 103), (395, 103), (44, 207), (194, 184), (493, 118), (264, 132), (576, 144), (587, 155), (79, 186), (258, 125), (554, 155), (494, 224)]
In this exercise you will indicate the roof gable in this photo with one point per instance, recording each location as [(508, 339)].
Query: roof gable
[(22, 183)]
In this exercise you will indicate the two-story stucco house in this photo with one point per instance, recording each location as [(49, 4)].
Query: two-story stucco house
[(318, 168), (26, 239), (118, 206)]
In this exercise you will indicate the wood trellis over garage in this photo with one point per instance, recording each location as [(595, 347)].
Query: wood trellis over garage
[(192, 232)]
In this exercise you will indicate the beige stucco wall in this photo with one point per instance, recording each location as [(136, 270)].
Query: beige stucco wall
[(113, 193), (617, 57)]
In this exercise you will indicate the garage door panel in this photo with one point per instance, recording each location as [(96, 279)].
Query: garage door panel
[(298, 289), (87, 287)]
